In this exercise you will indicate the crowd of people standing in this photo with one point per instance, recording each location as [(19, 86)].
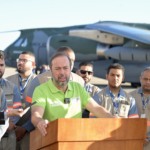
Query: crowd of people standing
[(57, 92)]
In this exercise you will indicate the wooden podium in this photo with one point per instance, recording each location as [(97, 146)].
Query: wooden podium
[(91, 134)]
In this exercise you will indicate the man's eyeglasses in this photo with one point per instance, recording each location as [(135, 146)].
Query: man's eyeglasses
[(84, 72), (23, 60)]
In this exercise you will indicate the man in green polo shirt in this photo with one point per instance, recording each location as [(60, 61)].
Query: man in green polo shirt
[(61, 98)]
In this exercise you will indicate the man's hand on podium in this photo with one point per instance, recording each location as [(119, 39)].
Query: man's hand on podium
[(42, 125)]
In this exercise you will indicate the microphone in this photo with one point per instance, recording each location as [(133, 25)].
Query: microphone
[(67, 100), (26, 115)]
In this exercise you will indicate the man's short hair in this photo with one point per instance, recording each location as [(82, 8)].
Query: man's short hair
[(65, 49), (145, 69), (28, 53), (86, 63), (115, 66), (58, 54)]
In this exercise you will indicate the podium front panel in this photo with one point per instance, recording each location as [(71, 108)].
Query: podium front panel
[(103, 145), (88, 134)]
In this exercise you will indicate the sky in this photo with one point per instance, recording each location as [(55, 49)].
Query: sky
[(23, 14)]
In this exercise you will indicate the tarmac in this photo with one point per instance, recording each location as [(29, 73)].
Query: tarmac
[(97, 81)]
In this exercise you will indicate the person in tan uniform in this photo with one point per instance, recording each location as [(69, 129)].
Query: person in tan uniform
[(13, 100), (25, 66), (114, 98), (142, 97), (86, 72)]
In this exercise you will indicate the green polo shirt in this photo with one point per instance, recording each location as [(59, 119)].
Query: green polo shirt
[(52, 100)]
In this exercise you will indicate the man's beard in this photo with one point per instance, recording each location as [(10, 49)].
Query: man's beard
[(62, 84), (21, 71), (115, 86), (59, 83), (87, 80), (146, 90)]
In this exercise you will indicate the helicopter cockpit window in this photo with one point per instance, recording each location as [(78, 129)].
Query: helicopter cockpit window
[(21, 42)]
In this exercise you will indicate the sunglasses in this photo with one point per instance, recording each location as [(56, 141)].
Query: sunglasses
[(84, 72)]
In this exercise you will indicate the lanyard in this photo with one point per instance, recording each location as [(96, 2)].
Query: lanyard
[(115, 102), (22, 87), (144, 103)]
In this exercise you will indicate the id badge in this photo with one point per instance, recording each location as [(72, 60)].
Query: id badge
[(123, 111), (143, 115)]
